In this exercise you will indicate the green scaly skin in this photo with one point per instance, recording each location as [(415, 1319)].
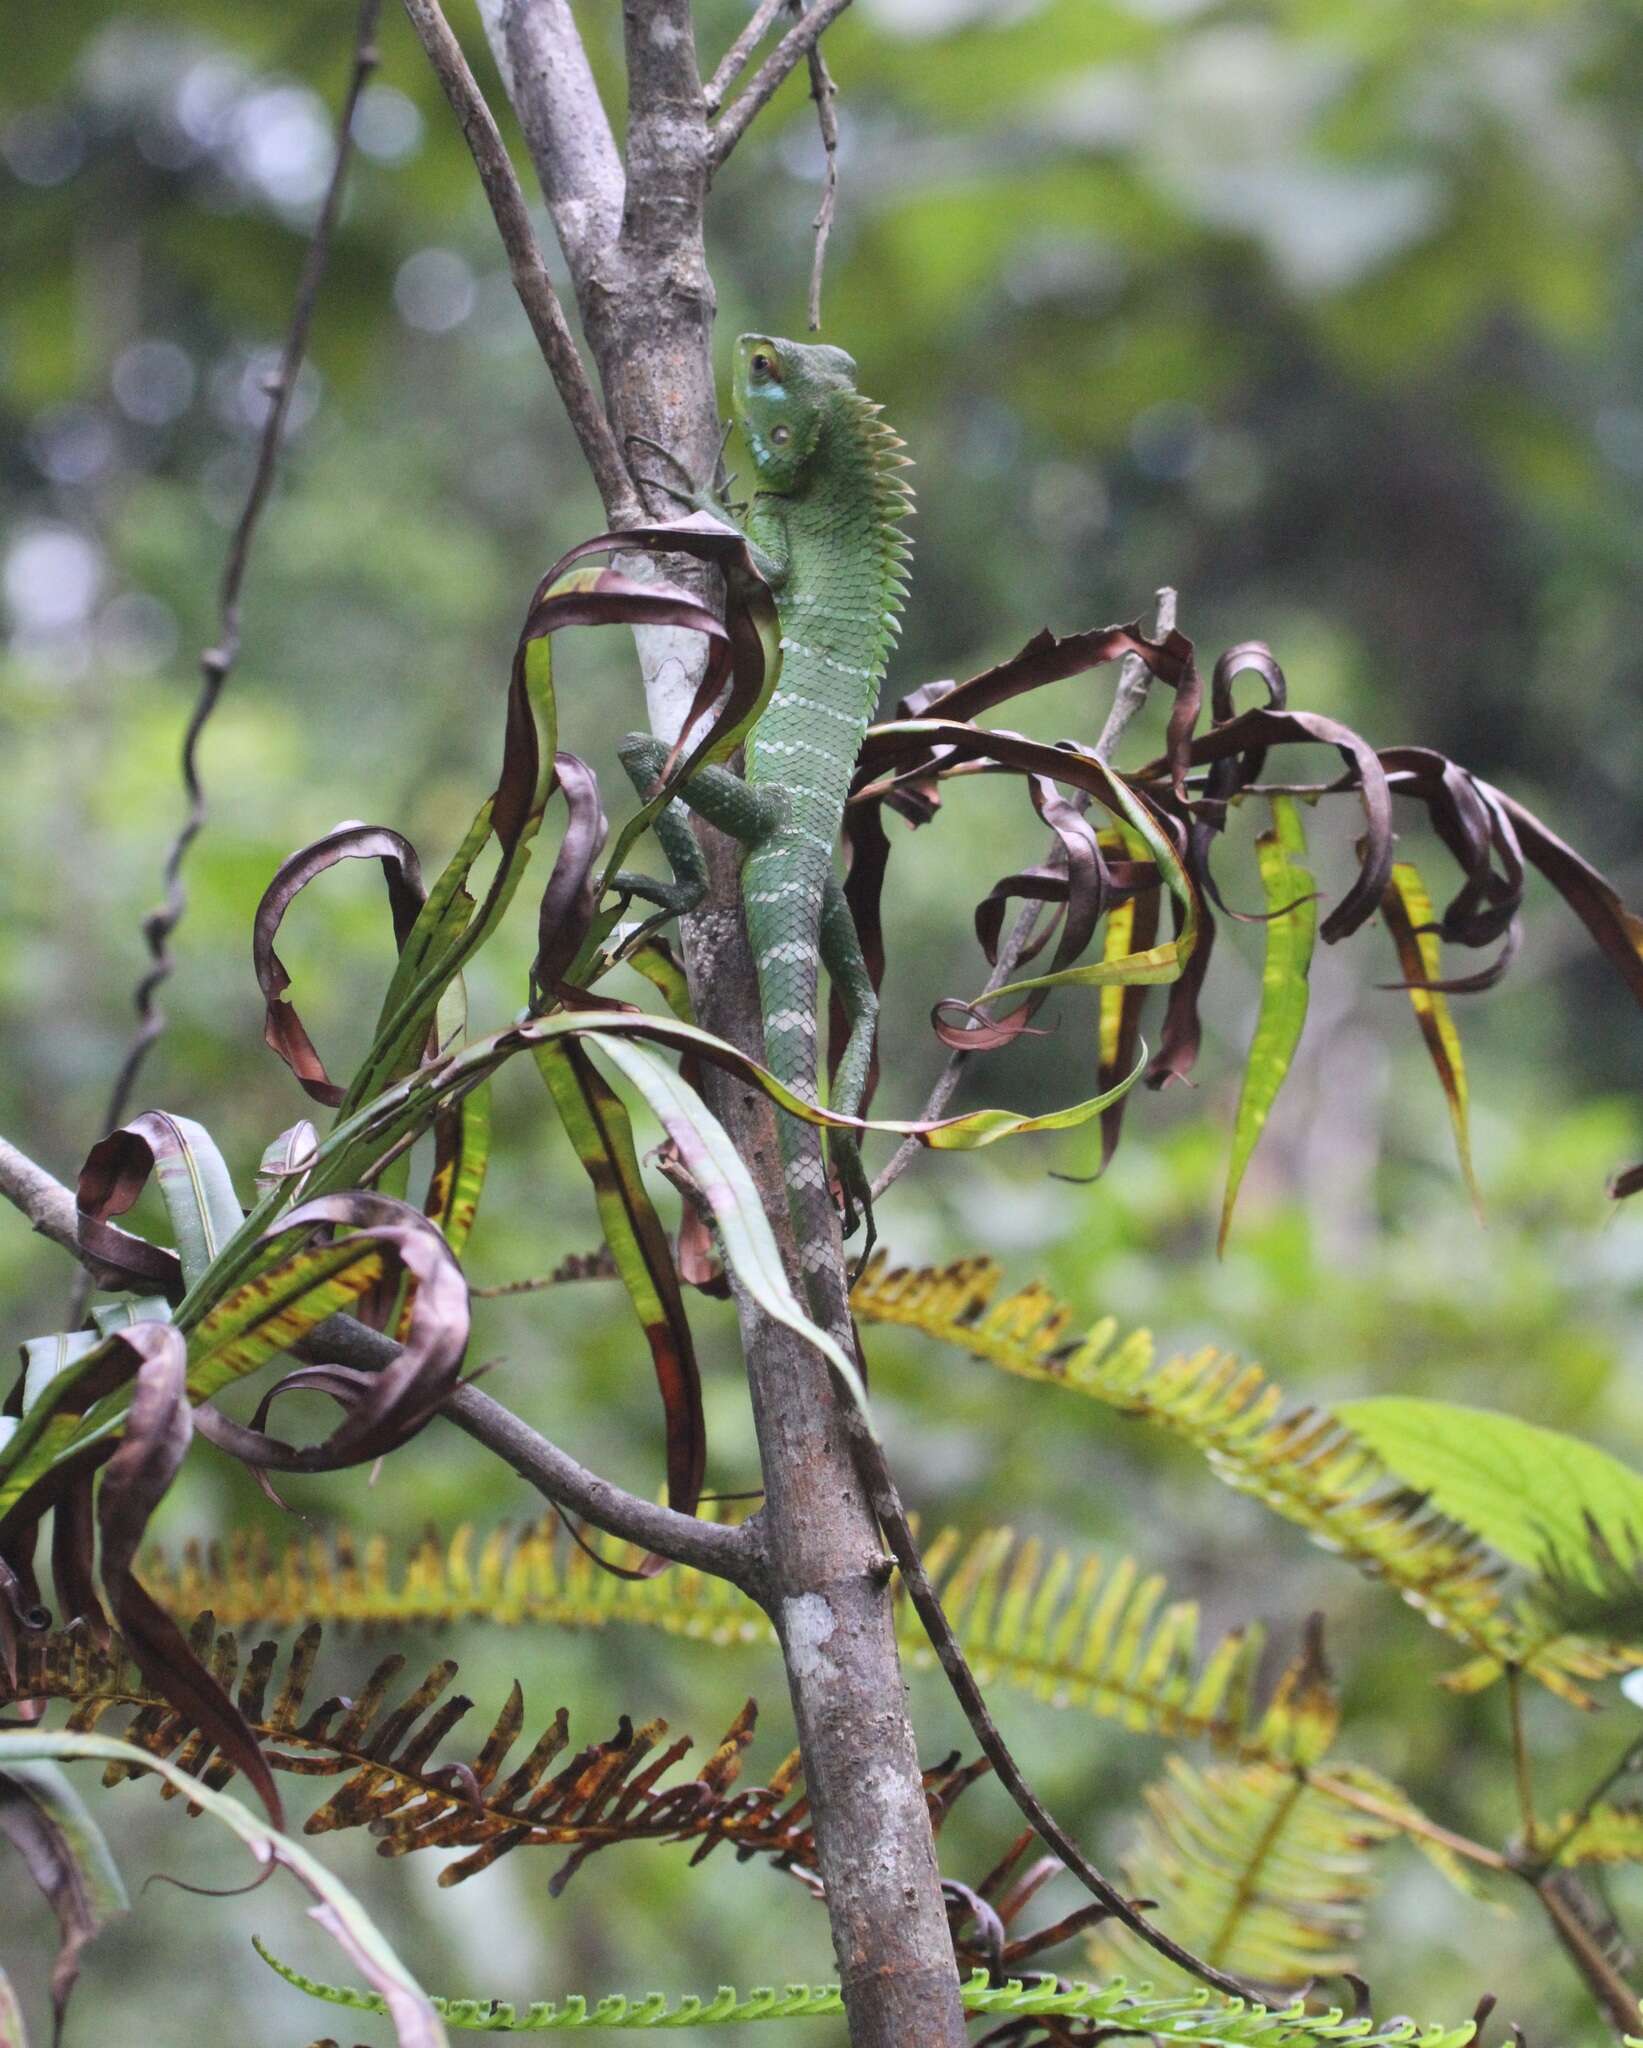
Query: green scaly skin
[(824, 529)]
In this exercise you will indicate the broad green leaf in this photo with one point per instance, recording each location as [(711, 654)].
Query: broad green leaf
[(337, 1911), (1526, 1491), (110, 1316), (1408, 911), (1291, 931)]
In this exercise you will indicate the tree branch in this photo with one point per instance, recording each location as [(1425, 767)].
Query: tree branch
[(728, 1552), (43, 1199), (530, 276), (567, 131), (824, 92), (734, 61), (799, 41)]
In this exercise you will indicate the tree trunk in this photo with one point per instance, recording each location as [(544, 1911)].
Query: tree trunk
[(633, 238)]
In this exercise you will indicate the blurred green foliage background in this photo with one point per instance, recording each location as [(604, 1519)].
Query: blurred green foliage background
[(1330, 316)]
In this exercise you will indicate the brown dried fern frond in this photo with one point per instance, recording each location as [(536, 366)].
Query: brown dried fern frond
[(398, 1784)]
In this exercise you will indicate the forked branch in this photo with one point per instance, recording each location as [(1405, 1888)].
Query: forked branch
[(525, 264)]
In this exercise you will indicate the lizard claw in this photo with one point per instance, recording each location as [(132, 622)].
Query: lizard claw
[(690, 492)]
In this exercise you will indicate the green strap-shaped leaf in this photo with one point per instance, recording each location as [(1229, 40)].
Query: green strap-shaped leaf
[(1527, 1491), (199, 1194), (337, 1910), (268, 1313), (45, 1357), (602, 1134), (660, 966), (462, 1152), (110, 1316), (1407, 909), (1291, 931), (66, 1855), (716, 1167)]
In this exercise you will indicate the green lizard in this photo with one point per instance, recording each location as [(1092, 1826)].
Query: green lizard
[(824, 530)]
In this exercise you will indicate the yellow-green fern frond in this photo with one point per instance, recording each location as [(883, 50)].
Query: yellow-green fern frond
[(512, 1575), (1611, 1832), (1072, 1631), (1253, 1870), (1304, 1464)]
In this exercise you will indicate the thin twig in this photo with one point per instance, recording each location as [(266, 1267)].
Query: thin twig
[(529, 272), (1016, 942), (737, 118), (734, 61), (824, 92), (1134, 678), (729, 1552), (217, 661), (1134, 681), (1409, 1822)]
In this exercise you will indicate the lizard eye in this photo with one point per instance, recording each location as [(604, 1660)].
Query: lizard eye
[(760, 364), (781, 436)]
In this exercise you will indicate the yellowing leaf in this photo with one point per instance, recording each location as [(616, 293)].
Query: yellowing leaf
[(1291, 932)]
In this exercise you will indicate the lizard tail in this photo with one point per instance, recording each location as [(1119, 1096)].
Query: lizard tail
[(783, 884)]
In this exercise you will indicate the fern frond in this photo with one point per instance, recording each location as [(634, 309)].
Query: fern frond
[(1198, 2019), (1303, 1464), (1070, 1631), (609, 1792), (1254, 1870), (1611, 1832)]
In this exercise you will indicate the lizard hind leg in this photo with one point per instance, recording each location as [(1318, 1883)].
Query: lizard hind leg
[(842, 957), (723, 799)]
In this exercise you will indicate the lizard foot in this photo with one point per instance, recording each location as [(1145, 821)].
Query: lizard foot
[(688, 493), (856, 1193)]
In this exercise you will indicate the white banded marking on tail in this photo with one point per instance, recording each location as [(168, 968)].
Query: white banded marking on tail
[(786, 697), (843, 668), (791, 1020), (778, 895), (795, 747)]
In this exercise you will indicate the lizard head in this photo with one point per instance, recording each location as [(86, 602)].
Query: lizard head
[(780, 398)]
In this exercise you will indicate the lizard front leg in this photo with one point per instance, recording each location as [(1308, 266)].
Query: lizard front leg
[(723, 799)]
